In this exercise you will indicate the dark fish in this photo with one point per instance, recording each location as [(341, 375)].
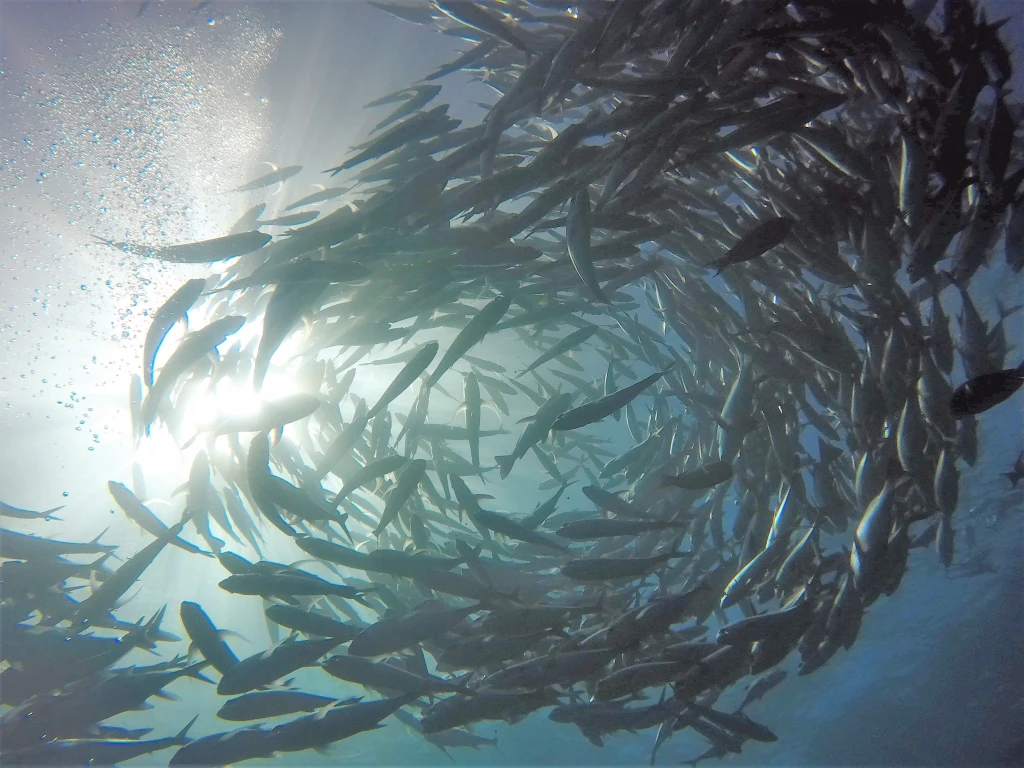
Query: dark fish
[(6, 510), (588, 530), (267, 666), (395, 634), (94, 751), (371, 674), (259, 705), (412, 370), (340, 722), (143, 517), (706, 476), (567, 344), (588, 413), (311, 623), (1015, 474), (206, 638), (611, 568), (760, 240), (474, 331), (986, 391), (105, 595), (577, 233)]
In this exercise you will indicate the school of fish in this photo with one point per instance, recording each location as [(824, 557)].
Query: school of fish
[(748, 214)]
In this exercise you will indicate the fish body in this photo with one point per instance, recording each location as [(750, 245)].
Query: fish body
[(588, 413), (269, 179), (190, 351), (172, 310), (265, 667), (985, 391), (474, 331)]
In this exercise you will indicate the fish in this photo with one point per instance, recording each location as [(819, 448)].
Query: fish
[(96, 751), (567, 344), (106, 594), (760, 686), (722, 194), (475, 17), (269, 179), (259, 705), (289, 219), (756, 243), (354, 669), (200, 252), (369, 472), (1017, 472), (593, 411), (206, 638), (474, 331), (471, 402), (189, 351), (311, 623), (405, 486), (6, 510), (985, 392), (705, 476), (143, 517), (271, 415), (538, 428), (175, 308), (324, 193), (400, 632), (507, 527), (284, 309), (577, 234), (588, 530), (412, 370), (610, 569), (265, 667)]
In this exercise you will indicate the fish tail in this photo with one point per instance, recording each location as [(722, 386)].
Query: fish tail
[(196, 671), (505, 464)]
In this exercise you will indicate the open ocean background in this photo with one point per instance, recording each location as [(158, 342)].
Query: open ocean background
[(124, 121)]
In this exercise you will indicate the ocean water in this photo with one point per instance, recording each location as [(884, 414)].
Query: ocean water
[(128, 121)]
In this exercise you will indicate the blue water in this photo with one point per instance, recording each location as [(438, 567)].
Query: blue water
[(115, 123)]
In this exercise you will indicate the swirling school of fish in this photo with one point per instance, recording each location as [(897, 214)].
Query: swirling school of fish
[(810, 180)]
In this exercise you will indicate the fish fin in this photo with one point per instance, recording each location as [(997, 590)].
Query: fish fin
[(321, 713), (231, 633), (445, 751), (182, 735)]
